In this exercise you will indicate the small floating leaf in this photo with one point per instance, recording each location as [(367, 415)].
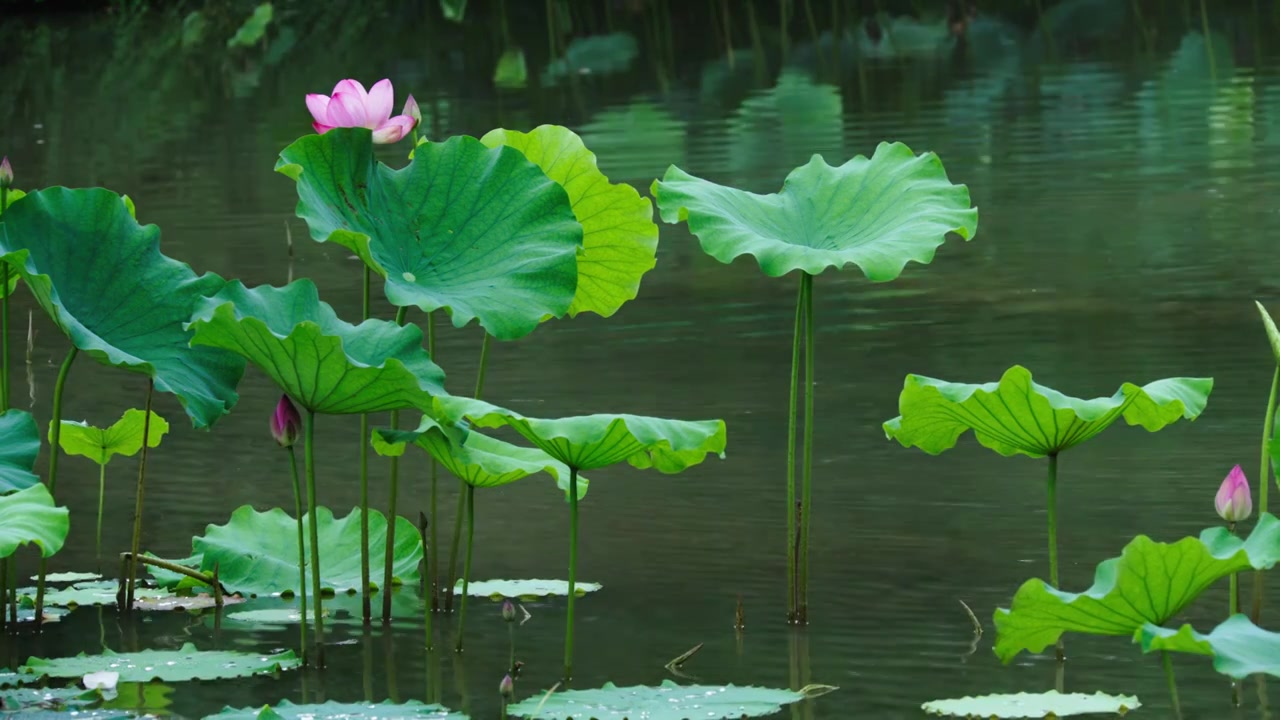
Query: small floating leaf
[(498, 589), (185, 663), (1239, 648), (29, 516), (342, 711), (70, 577), (667, 701), (1049, 704)]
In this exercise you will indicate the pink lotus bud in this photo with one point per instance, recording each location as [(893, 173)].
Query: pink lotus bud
[(412, 110), (6, 173), (508, 611), (1233, 501), (286, 423), (507, 688)]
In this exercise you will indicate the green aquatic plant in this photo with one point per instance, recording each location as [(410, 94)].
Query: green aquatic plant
[(878, 213), (102, 279), (667, 701), (19, 448), (1051, 704), (1269, 446), (123, 437), (590, 442), (185, 663), (8, 281), (1017, 416), (531, 589), (1238, 647), (286, 427), (30, 516), (331, 710)]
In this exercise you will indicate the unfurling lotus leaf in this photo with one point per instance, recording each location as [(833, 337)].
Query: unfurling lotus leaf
[(1051, 704), (29, 516), (185, 663), (257, 552), (285, 710), (123, 437), (1017, 416), (481, 232), (324, 363), (1150, 583), (19, 448), (524, 589), (619, 237), (589, 442), (667, 701), (102, 279), (878, 213), (1238, 647), (475, 458)]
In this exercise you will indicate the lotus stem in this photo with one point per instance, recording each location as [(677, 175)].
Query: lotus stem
[(4, 317), (457, 517), (793, 545), (389, 556), (366, 604), (1173, 683), (309, 433), (1264, 482), (422, 530), (4, 589), (573, 572), (302, 555), (466, 566), (806, 510), (1052, 512), (433, 580), (55, 434), (13, 592), (138, 498)]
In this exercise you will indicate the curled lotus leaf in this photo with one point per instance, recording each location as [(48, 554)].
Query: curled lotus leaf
[(123, 437), (286, 710), (19, 448), (480, 232), (1051, 704), (878, 213), (102, 279), (667, 701), (1238, 647), (1017, 416), (185, 663), (29, 516), (324, 363), (589, 442), (525, 589), (1149, 584)]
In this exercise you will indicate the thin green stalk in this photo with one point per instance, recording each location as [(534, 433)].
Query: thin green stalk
[(309, 434), (451, 579), (13, 592), (1208, 41), (466, 566), (791, 457), (4, 318), (302, 555), (1052, 505), (433, 580), (55, 434), (511, 646), (102, 491), (390, 555), (1264, 483), (1173, 684), (426, 581), (138, 497), (484, 361), (806, 507), (366, 604), (4, 588), (573, 572)]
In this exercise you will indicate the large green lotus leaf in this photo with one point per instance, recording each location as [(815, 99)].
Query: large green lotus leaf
[(29, 516), (524, 589), (257, 552), (667, 701), (1239, 648), (588, 442), (101, 277), (1150, 582), (1051, 704), (878, 214), (481, 232), (619, 237), (476, 458), (19, 448), (324, 363), (1017, 416), (342, 711), (124, 437), (185, 663)]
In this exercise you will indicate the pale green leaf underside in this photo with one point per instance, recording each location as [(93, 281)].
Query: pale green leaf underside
[(124, 437), (1049, 704), (525, 589), (331, 710), (19, 448), (1150, 582), (324, 363), (1017, 416), (102, 279), (878, 213), (619, 237), (475, 458), (667, 701), (70, 577), (29, 516), (1239, 648), (186, 663), (588, 442), (481, 232), (257, 552)]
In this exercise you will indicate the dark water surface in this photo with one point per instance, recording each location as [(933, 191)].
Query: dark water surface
[(1125, 174)]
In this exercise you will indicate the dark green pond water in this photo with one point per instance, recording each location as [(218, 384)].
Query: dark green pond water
[(1125, 172)]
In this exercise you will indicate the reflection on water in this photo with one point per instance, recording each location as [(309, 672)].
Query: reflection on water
[(1123, 174)]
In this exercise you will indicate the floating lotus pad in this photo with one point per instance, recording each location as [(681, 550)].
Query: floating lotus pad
[(878, 214), (324, 363), (72, 702), (70, 577), (1049, 704), (667, 701), (29, 516), (1017, 416), (619, 237), (102, 279), (524, 589), (19, 448), (342, 711), (256, 553), (186, 663), (91, 593), (1238, 647), (123, 437), (1150, 583), (481, 232)]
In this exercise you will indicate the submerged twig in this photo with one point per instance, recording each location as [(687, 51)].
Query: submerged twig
[(739, 616), (977, 626), (673, 666), (210, 579), (544, 700), (527, 616)]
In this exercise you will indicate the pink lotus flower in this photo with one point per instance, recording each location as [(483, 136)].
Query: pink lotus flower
[(351, 106), (1233, 501)]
